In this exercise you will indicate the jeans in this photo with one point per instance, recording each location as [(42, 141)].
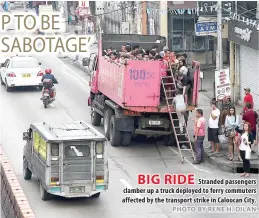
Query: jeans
[(181, 119), (246, 163), (199, 149)]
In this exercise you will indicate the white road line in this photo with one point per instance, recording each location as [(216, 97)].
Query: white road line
[(197, 168), (75, 74), (127, 185)]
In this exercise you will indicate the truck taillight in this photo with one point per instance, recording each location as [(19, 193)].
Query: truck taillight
[(131, 113), (10, 75), (54, 181), (40, 73)]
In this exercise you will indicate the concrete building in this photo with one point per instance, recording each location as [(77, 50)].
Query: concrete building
[(244, 37)]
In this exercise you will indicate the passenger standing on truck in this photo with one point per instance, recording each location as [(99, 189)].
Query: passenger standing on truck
[(108, 52), (139, 55), (183, 83), (180, 108)]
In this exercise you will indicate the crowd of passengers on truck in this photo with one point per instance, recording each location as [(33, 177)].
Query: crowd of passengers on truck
[(176, 62)]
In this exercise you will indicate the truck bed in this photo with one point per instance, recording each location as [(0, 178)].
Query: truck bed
[(135, 86)]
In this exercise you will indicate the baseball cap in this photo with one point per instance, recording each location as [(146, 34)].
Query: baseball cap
[(247, 89)]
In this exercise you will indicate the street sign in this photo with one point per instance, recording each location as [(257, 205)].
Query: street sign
[(83, 4), (222, 84), (205, 28), (83, 11)]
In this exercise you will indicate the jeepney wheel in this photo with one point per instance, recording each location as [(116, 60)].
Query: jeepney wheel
[(115, 135), (126, 138), (169, 140), (106, 122), (44, 195), (26, 172), (96, 195), (95, 118)]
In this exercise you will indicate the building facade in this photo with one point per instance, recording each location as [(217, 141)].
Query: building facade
[(246, 38)]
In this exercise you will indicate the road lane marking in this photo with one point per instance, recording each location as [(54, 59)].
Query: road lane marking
[(80, 77), (189, 162), (127, 185)]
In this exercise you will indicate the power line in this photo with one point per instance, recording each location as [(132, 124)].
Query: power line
[(117, 10)]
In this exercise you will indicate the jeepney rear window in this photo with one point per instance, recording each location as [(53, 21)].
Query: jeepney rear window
[(55, 149), (77, 151)]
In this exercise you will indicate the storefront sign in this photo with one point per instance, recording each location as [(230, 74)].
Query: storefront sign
[(242, 19), (205, 28), (222, 84), (243, 34)]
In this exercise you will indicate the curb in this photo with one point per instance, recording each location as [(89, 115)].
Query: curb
[(15, 199)]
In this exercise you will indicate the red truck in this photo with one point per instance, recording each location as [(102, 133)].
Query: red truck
[(128, 96)]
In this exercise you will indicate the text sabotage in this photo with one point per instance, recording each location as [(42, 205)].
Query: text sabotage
[(28, 25), (168, 179)]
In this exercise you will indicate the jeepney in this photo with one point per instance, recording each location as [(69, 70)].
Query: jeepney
[(69, 159)]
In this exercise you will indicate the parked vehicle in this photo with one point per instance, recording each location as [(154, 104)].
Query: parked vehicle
[(128, 97), (20, 71), (69, 159)]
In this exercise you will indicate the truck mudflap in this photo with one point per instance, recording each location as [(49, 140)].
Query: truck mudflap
[(125, 124)]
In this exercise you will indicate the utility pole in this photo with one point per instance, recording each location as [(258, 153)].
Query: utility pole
[(66, 15), (219, 43), (144, 18)]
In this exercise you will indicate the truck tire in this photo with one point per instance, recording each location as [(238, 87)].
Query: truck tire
[(106, 122), (169, 140), (126, 138), (95, 118), (115, 135), (26, 172), (44, 195)]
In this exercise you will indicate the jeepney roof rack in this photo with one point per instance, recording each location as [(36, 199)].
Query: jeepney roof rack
[(52, 129)]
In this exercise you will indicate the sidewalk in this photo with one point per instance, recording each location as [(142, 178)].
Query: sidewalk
[(220, 160)]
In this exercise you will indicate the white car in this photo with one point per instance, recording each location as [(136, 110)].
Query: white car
[(21, 71)]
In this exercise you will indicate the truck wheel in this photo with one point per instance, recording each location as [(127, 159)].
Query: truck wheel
[(106, 122), (169, 140), (95, 118), (97, 195), (126, 138), (44, 195), (26, 172), (115, 135)]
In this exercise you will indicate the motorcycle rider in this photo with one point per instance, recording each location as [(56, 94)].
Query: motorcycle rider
[(49, 76)]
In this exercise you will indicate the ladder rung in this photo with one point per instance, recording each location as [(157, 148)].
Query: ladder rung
[(168, 83), (170, 90), (166, 77), (184, 142), (181, 134), (186, 149), (176, 119), (170, 98)]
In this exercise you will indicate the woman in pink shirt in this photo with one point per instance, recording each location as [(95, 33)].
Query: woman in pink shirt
[(199, 135)]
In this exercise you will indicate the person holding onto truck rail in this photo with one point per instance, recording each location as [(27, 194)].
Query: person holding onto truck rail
[(183, 83), (180, 108)]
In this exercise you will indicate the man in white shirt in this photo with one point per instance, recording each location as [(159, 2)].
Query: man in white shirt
[(213, 129), (180, 108)]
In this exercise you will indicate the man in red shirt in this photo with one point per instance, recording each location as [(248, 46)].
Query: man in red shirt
[(248, 99), (251, 117)]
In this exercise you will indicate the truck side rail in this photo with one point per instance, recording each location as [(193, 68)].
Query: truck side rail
[(13, 200)]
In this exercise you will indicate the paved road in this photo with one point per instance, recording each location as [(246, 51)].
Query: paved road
[(20, 108)]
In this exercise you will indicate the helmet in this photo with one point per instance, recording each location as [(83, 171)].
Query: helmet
[(48, 71)]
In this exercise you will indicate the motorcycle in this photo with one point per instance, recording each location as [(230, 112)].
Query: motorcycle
[(47, 97), (48, 93)]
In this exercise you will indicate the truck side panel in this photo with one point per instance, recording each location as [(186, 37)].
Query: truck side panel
[(142, 83), (111, 80)]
